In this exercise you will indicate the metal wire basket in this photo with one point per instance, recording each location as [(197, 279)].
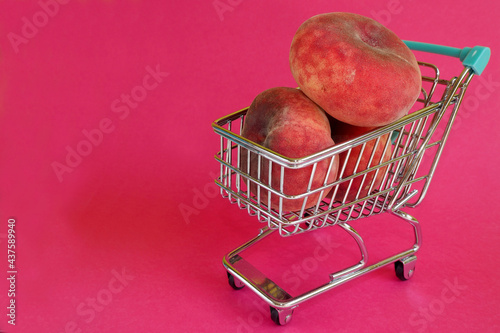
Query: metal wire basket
[(415, 146)]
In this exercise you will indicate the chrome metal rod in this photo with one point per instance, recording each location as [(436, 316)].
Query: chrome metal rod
[(277, 297), (418, 155)]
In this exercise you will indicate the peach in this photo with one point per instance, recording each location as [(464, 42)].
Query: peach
[(288, 123), (342, 132), (354, 68)]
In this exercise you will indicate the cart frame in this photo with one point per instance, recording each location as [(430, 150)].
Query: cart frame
[(406, 178)]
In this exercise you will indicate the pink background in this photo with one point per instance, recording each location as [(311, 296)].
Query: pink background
[(117, 211)]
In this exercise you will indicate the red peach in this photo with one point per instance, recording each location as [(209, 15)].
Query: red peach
[(342, 132), (287, 122), (354, 68)]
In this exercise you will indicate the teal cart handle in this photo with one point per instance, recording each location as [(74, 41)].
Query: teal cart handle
[(476, 58)]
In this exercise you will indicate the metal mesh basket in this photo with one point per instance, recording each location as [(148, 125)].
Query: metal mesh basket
[(415, 145)]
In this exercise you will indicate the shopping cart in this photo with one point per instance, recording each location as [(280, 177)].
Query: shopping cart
[(417, 141)]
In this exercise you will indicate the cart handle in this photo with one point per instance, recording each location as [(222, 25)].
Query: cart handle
[(476, 58)]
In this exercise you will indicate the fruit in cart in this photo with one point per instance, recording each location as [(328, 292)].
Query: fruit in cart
[(372, 154), (287, 122), (356, 69)]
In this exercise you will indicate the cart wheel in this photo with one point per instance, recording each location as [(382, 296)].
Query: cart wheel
[(281, 316), (405, 267), (234, 283)]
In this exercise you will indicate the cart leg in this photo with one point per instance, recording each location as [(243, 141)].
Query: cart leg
[(242, 273), (416, 227), (281, 316), (362, 247), (405, 267)]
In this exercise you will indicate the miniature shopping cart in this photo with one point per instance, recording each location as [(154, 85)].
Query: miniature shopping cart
[(417, 141)]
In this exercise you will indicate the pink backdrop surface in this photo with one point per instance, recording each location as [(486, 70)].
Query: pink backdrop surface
[(102, 243)]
